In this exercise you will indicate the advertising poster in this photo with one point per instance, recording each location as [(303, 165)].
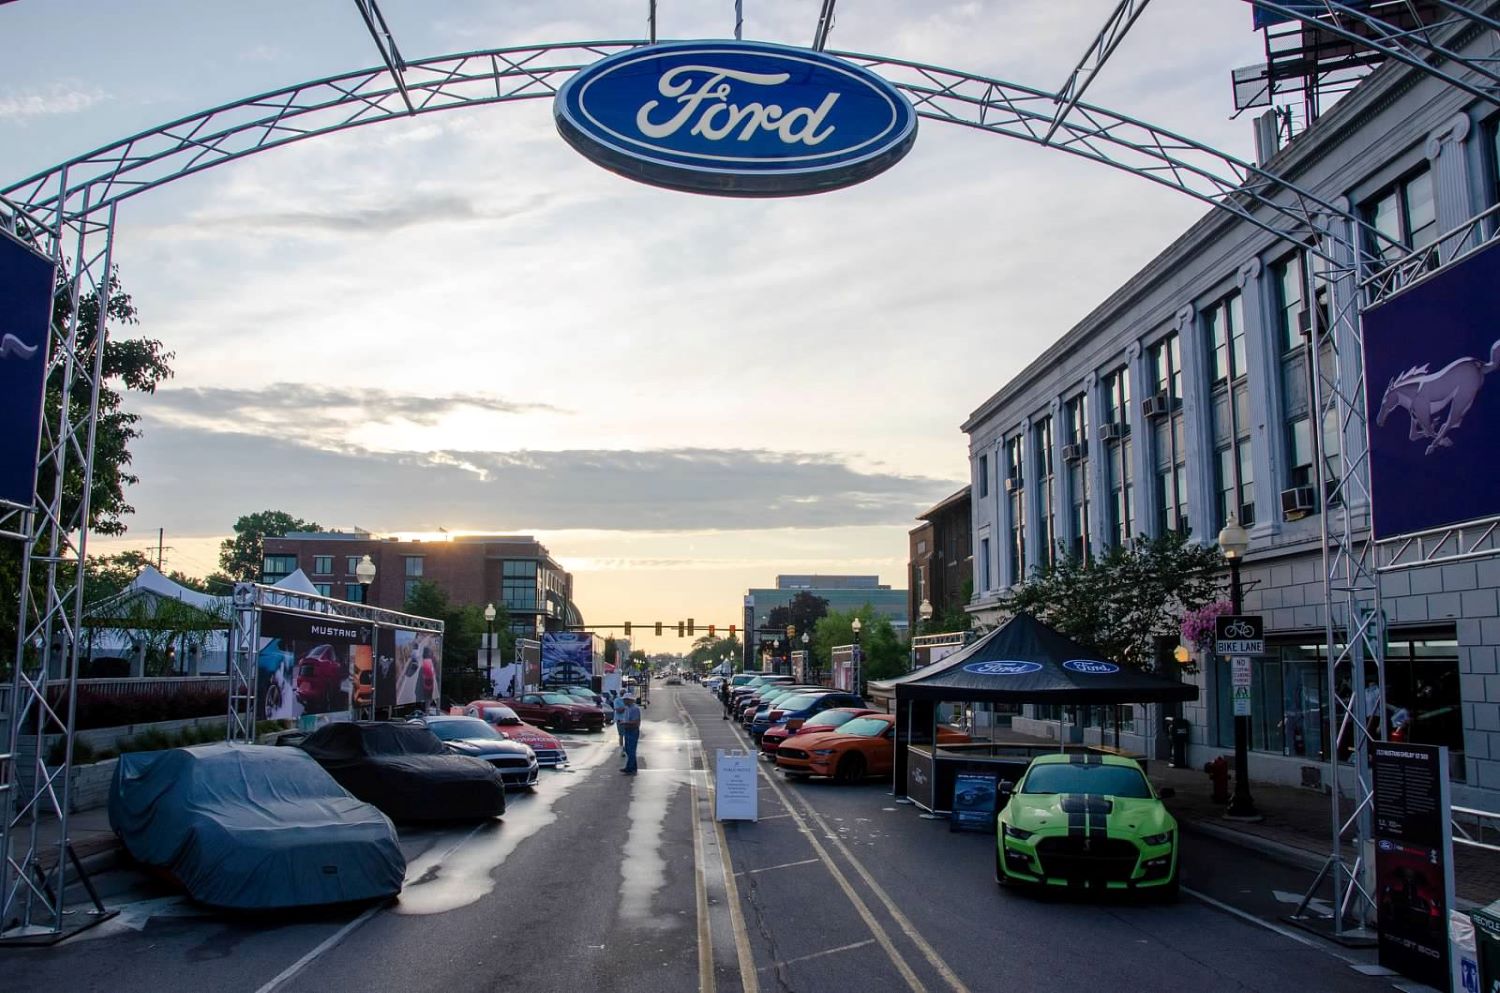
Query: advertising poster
[(1431, 356), (308, 665), (529, 654), (1413, 859), (418, 668), (25, 312), (974, 795), (567, 658)]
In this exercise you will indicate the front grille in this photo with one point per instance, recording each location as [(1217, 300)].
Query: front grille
[(791, 753), (1102, 860), (508, 762)]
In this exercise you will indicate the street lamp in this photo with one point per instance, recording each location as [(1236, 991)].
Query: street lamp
[(365, 573), (925, 611), (857, 661), (1234, 541), (489, 647), (807, 665)]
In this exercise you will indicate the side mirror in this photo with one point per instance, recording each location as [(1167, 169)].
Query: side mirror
[(1004, 791), (1165, 793)]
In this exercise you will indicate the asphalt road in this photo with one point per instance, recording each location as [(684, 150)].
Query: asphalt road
[(604, 882)]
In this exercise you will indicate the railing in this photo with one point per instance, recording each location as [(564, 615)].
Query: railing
[(1486, 824), (150, 686)]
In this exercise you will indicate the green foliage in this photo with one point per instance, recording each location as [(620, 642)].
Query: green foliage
[(242, 555), (108, 710), (709, 650), (883, 652), (802, 613), (1120, 603)]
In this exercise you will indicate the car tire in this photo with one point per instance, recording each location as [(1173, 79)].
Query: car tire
[(851, 768), (272, 701)]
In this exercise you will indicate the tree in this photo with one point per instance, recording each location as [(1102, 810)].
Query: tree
[(463, 638), (883, 654), (709, 650), (241, 556), (1118, 604), (802, 612)]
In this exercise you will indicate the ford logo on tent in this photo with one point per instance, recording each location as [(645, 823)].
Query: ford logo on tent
[(1091, 667), (735, 118), (1002, 668)]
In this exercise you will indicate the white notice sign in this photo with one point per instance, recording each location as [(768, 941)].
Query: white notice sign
[(1239, 668), (736, 793)]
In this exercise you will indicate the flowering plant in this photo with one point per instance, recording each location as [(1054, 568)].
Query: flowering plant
[(1198, 625)]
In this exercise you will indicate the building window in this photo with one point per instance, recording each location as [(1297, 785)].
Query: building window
[(1169, 448), (1015, 487), (275, 568), (518, 585), (1117, 454), (1078, 475), (413, 567), (1229, 405), (324, 589), (1294, 330), (1405, 213), (354, 593), (322, 565), (351, 563), (1047, 513), (984, 563), (984, 475)]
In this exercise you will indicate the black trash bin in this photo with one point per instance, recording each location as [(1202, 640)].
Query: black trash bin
[(1179, 730)]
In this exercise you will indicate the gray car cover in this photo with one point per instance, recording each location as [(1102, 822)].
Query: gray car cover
[(253, 827)]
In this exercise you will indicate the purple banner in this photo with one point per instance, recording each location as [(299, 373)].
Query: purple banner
[(25, 311)]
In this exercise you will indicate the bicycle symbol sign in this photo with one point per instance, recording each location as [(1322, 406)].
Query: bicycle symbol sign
[(1239, 629), (1239, 634)]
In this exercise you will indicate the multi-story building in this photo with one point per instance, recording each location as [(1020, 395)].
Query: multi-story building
[(514, 570), (940, 556), (1184, 398), (843, 593)]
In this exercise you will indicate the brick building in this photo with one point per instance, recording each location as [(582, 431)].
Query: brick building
[(940, 557), (514, 570)]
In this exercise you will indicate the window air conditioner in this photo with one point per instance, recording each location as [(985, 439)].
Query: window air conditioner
[(1156, 405), (1075, 452), (1110, 432), (1299, 502)]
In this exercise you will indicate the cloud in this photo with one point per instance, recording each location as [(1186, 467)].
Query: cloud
[(56, 98), (201, 480), (405, 211)]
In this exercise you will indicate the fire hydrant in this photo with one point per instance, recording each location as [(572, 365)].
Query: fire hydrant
[(1218, 774)]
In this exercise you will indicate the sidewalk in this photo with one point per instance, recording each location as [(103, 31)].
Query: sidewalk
[(1297, 827), (93, 840)]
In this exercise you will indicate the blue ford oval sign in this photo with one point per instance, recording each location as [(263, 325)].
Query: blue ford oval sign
[(735, 118), (1002, 668), (1090, 667)]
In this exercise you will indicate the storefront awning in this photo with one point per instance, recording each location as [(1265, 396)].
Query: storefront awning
[(1025, 661)]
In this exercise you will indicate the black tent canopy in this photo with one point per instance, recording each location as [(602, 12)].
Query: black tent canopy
[(1025, 661)]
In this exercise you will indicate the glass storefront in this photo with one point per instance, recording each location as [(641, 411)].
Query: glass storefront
[(1289, 708)]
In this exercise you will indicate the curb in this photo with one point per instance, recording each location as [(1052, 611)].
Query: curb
[(1297, 858)]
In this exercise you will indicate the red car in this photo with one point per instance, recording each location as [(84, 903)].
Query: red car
[(549, 751), (826, 721), (320, 679), (557, 711)]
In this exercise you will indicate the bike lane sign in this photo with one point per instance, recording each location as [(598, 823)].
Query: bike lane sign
[(1239, 634)]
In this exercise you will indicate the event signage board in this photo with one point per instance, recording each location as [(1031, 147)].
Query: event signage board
[(26, 281), (735, 118), (921, 778), (1431, 354), (974, 797), (1413, 858), (529, 654), (567, 657), (1240, 634), (312, 665), (736, 794)]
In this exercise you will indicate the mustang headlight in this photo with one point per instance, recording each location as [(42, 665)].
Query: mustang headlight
[(1165, 838), (1020, 834), (822, 751)]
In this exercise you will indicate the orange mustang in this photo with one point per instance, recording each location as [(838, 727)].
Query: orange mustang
[(864, 746)]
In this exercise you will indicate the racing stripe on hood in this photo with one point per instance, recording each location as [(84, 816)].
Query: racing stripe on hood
[(1074, 806)]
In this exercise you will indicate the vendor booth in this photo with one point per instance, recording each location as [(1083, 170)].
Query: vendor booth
[(1022, 661)]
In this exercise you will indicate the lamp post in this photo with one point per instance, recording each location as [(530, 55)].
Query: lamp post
[(807, 665), (858, 662), (365, 573), (489, 647), (1234, 541), (925, 612)]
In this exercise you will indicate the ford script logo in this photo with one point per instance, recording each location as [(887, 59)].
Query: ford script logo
[(1091, 667), (735, 118), (1002, 668)]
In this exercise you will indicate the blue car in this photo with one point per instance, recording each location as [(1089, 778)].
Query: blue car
[(801, 706)]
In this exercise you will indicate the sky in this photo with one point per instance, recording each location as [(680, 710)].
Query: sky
[(455, 321)]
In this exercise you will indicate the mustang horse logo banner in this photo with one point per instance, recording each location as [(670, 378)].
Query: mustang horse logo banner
[(1447, 393)]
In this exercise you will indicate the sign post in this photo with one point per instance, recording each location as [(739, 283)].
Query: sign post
[(1239, 636)]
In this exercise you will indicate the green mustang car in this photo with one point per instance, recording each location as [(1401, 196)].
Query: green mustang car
[(1086, 820)]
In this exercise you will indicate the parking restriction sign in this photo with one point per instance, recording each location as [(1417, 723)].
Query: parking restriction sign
[(1239, 682)]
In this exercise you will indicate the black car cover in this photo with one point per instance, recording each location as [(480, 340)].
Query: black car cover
[(405, 771)]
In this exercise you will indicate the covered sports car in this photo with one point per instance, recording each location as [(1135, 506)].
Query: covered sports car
[(253, 827), (406, 771), (1086, 820)]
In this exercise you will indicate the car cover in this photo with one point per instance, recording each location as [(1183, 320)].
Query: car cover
[(406, 771), (253, 827)]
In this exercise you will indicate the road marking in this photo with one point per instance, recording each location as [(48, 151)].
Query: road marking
[(705, 942), (328, 943), (1301, 939), (784, 865), (748, 978), (818, 955)]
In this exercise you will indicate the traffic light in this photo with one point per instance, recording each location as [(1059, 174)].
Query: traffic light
[(731, 631), (658, 629), (690, 626), (711, 630), (681, 629), (627, 629)]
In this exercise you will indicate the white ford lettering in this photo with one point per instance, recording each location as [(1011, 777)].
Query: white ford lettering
[(719, 117)]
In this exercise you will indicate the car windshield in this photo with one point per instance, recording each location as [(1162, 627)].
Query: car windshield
[(798, 701), (462, 727), (829, 718), (557, 698), (1101, 780), (865, 727), (501, 715)]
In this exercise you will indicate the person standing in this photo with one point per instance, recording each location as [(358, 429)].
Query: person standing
[(630, 732), (724, 696), (619, 706)]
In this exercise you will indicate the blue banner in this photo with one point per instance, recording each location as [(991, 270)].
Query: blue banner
[(1430, 353), (25, 312), (1265, 18), (567, 658)]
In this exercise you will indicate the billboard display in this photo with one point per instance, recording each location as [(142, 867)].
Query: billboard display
[(567, 657), (415, 676), (1264, 18), (1433, 403), (309, 665), (26, 281)]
